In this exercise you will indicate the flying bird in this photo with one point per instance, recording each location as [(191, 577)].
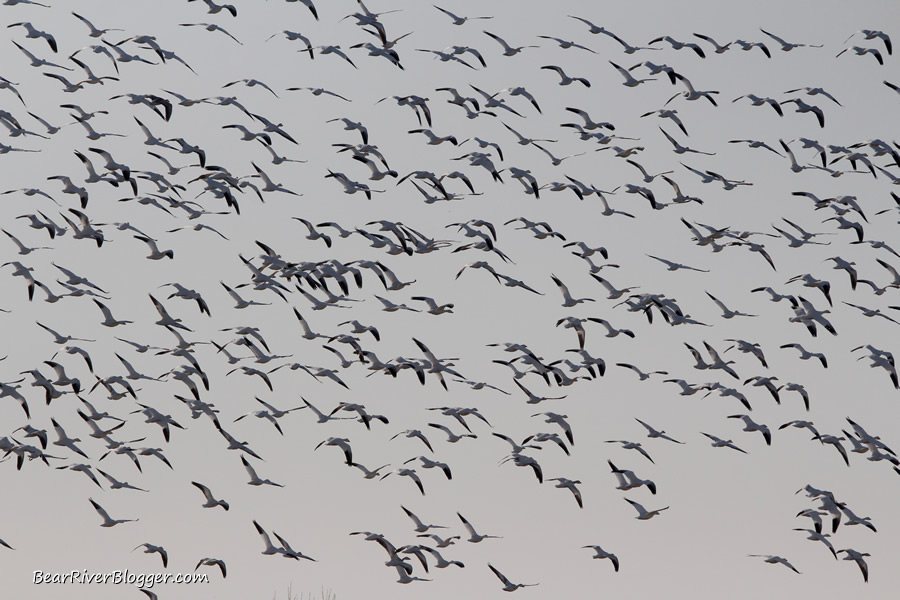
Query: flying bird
[(601, 554), (508, 586), (775, 560), (643, 513), (107, 520)]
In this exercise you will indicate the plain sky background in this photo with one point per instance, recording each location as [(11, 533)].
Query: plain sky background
[(723, 505)]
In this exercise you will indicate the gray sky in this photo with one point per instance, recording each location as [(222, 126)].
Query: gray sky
[(723, 505)]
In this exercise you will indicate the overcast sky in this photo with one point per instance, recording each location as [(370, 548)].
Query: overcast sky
[(722, 504)]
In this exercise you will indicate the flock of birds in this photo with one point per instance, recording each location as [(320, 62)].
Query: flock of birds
[(116, 170)]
